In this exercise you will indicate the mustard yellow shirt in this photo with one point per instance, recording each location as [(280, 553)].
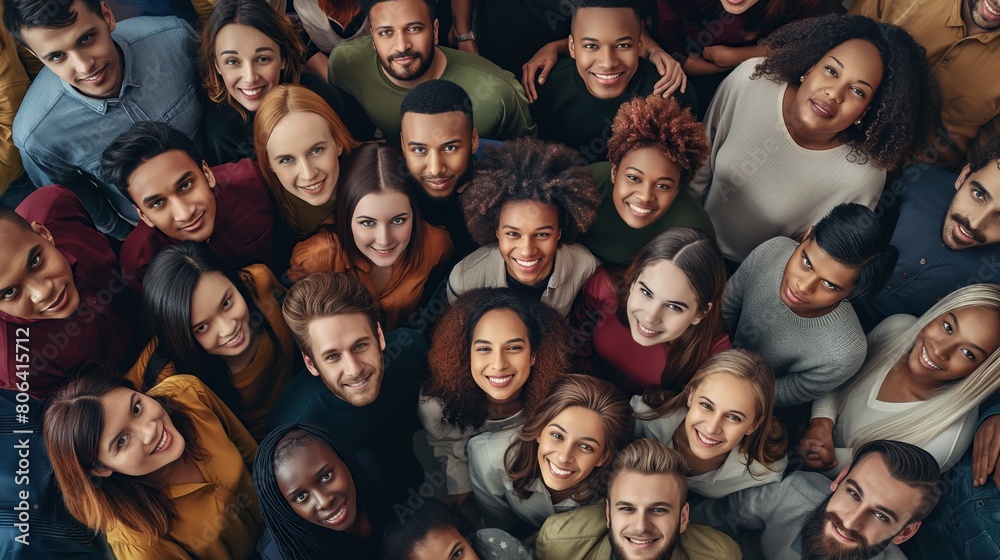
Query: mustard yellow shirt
[(219, 518)]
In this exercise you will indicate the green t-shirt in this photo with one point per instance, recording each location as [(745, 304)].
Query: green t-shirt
[(613, 241), (499, 106)]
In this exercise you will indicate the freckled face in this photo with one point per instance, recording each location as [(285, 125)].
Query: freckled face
[(249, 62), (646, 184), (662, 304), (570, 447)]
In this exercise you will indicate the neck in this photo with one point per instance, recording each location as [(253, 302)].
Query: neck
[(362, 527), (496, 410), (909, 386), (809, 141)]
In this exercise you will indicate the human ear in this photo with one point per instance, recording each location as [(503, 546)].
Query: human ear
[(572, 47), (614, 173), (42, 232), (840, 478), (436, 39), (108, 16), (907, 533), (208, 174), (963, 176), (102, 472), (685, 516), (310, 365), (381, 338)]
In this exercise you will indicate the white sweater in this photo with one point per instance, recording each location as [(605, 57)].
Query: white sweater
[(863, 408), (757, 183)]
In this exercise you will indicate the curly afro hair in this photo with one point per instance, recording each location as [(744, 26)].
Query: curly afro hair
[(901, 112), (450, 380), (655, 122), (530, 169)]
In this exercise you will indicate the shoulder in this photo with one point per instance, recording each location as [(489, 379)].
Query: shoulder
[(264, 280), (185, 389), (773, 252), (353, 53), (239, 179), (579, 524), (601, 172), (45, 92), (705, 543), (160, 28), (747, 68), (890, 328), (51, 204), (473, 71), (487, 256)]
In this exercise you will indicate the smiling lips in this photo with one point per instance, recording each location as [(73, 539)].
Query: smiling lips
[(500, 382), (60, 302), (338, 515), (164, 442), (925, 358), (557, 472), (705, 440), (649, 333), (641, 541), (527, 265), (236, 340), (792, 297), (822, 109), (314, 187), (96, 76), (989, 11), (252, 93)]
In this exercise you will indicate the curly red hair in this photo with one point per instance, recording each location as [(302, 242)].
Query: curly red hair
[(450, 380), (655, 122)]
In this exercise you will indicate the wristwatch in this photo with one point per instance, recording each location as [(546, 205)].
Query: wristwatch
[(470, 36)]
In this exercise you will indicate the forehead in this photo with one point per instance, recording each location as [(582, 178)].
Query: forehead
[(605, 23), (161, 173), (437, 128), (44, 40), (500, 322), (637, 489), (989, 178), (337, 332), (15, 242), (977, 324), (116, 404), (650, 161), (580, 422), (207, 294), (239, 37), (727, 391), (303, 460), (871, 475), (399, 12), (667, 281), (529, 213), (825, 265), (859, 57), (296, 129)]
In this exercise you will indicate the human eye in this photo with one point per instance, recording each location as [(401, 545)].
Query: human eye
[(186, 185), (35, 262), (557, 436), (831, 71), (299, 498), (626, 509), (157, 204), (367, 223), (659, 510), (676, 308), (415, 28), (978, 194), (632, 177), (231, 61), (514, 348), (881, 516), (57, 57), (285, 160), (200, 329), (317, 150), (513, 234), (384, 32), (9, 294), (947, 326), (968, 354), (449, 149), (398, 221), (625, 45), (482, 349), (458, 553), (859, 92), (86, 38), (734, 418), (227, 303), (137, 409), (587, 447), (590, 46), (645, 292), (361, 347), (543, 235), (328, 475), (705, 405), (829, 286), (122, 440), (663, 187), (263, 59), (806, 262), (419, 150), (853, 494), (332, 357)]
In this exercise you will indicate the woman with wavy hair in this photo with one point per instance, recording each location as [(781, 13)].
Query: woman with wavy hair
[(493, 358), (527, 203), (378, 237), (660, 320), (554, 461), (165, 474), (317, 497), (921, 383), (721, 423), (839, 101), (247, 49), (301, 146), (220, 324)]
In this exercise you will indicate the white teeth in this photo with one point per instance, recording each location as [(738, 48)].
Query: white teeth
[(383, 251), (556, 470), (313, 187), (499, 381), (357, 383), (336, 516), (925, 357), (252, 92), (640, 541), (163, 441), (608, 76), (646, 331), (527, 264), (706, 440), (638, 210), (991, 9)]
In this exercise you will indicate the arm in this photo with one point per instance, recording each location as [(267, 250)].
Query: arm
[(461, 24), (986, 445), (822, 373), (319, 64), (719, 58), (14, 85), (747, 509)]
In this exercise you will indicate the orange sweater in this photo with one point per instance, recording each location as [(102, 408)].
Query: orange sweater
[(323, 252)]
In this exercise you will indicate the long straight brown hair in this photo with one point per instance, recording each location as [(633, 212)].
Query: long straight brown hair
[(72, 429), (610, 405), (700, 259)]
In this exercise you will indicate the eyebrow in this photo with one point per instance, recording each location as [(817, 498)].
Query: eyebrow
[(584, 438), (416, 22), (740, 412), (674, 302), (623, 38), (401, 214), (483, 341), (505, 226), (954, 320), (666, 505), (365, 338), (90, 31), (852, 483), (257, 50), (985, 191), (806, 255), (664, 177), (841, 64), (31, 256), (188, 175), (131, 405)]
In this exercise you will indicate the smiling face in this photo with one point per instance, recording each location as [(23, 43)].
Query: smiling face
[(662, 304), (443, 544), (981, 15), (404, 39), (953, 345), (36, 281), (173, 193), (721, 411), (438, 150), (305, 157), (528, 236), (814, 283), (382, 225), (348, 357), (138, 437), (81, 54), (501, 357), (836, 92), (570, 447), (867, 510), (646, 514), (737, 7), (605, 42), (220, 318), (317, 485), (249, 62), (973, 218), (646, 184)]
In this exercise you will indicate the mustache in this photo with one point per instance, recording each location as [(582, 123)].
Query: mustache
[(851, 534), (967, 226), (405, 54)]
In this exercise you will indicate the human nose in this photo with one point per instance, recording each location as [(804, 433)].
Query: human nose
[(352, 366), (184, 213), (40, 291), (84, 65), (323, 500), (434, 164), (382, 235), (499, 361), (249, 74), (977, 221), (607, 58), (713, 424), (402, 43), (853, 520), (306, 169), (807, 283), (644, 193)]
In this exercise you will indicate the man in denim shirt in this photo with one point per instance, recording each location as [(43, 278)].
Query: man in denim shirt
[(966, 522), (100, 77)]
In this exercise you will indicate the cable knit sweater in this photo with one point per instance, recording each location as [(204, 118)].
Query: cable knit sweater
[(757, 182), (810, 357)]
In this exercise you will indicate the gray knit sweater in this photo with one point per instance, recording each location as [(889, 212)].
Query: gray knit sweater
[(810, 357)]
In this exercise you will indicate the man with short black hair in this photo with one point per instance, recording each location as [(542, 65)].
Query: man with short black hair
[(877, 503), (402, 52), (100, 76)]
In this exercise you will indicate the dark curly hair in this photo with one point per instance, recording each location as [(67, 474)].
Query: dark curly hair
[(449, 361), (901, 111), (530, 169), (655, 122)]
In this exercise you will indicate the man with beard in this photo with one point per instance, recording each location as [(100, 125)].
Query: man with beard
[(961, 39), (945, 234), (362, 384), (645, 516), (877, 503), (404, 36)]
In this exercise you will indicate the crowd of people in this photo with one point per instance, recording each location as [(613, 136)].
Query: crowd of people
[(296, 280)]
